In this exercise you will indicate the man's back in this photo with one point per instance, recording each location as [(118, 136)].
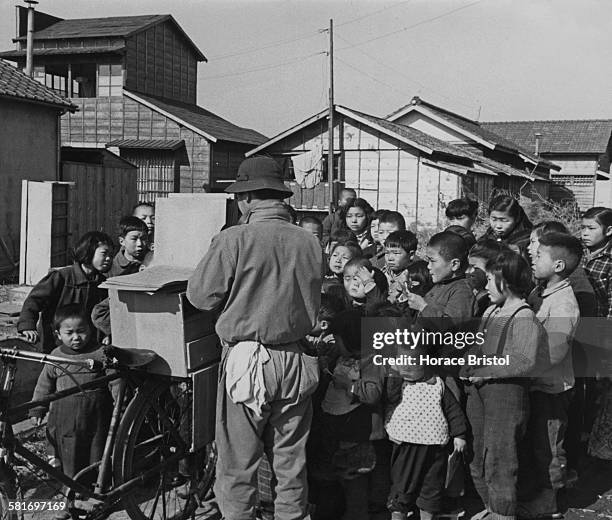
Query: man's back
[(264, 277)]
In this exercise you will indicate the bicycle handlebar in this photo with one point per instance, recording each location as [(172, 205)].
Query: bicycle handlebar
[(15, 353)]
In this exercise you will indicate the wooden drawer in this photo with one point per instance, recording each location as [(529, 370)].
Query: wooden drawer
[(202, 351)]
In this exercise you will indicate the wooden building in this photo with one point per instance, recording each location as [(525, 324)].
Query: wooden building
[(29, 148), (466, 133), (582, 148), (134, 80), (392, 166)]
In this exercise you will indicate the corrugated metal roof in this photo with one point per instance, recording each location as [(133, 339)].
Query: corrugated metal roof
[(157, 144), (15, 84), (64, 51), (204, 120), (590, 136)]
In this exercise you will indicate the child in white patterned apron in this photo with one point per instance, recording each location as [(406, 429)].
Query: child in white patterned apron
[(423, 418)]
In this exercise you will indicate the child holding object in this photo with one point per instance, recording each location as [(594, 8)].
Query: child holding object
[(78, 424), (497, 395), (422, 419), (76, 284)]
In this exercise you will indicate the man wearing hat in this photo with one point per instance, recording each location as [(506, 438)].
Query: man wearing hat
[(263, 278)]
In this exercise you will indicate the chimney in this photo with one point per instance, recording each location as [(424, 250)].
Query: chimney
[(29, 69), (538, 138)]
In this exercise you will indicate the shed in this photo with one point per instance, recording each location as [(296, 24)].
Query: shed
[(29, 148), (392, 166)]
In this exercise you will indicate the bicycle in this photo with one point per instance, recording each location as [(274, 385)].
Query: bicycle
[(150, 466)]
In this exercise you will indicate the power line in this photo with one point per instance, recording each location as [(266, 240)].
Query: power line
[(305, 36), (358, 19), (399, 72), (422, 22), (266, 67), (268, 46), (373, 78)]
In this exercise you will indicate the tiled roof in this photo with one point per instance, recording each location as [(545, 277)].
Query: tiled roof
[(475, 128), (64, 50), (16, 85), (562, 136), (157, 144), (206, 121), (98, 27), (107, 27)]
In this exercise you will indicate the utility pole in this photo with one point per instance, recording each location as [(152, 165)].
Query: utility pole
[(29, 69), (330, 131)]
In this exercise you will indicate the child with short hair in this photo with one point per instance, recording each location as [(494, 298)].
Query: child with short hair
[(313, 225), (400, 248), (462, 212), (558, 254), (365, 286), (77, 283), (423, 417), (134, 252), (466, 234), (508, 223), (333, 221), (596, 235), (480, 253), (497, 395), (145, 211), (78, 424), (449, 305), (341, 254), (389, 223)]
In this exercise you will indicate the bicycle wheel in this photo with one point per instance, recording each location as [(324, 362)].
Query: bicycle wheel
[(153, 445), (10, 490)]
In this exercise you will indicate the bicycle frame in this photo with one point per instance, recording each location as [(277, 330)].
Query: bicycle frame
[(10, 445)]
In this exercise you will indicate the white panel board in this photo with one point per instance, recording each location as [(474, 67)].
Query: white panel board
[(184, 226), (36, 212)]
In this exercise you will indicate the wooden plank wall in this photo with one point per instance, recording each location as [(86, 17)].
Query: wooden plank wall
[(155, 172), (100, 120), (99, 198), (159, 62)]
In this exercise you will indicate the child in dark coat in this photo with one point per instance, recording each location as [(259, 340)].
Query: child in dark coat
[(78, 424), (77, 284)]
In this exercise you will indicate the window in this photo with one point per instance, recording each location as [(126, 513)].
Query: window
[(110, 79)]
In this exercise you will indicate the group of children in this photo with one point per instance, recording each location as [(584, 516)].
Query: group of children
[(59, 314), (397, 440)]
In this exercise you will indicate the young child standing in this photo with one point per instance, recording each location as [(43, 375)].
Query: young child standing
[(450, 303), (497, 396), (596, 235), (77, 424), (508, 223), (400, 247), (378, 259), (422, 418), (558, 254), (314, 225), (145, 211), (77, 284), (134, 252)]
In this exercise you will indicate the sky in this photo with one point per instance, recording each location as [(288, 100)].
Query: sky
[(492, 60)]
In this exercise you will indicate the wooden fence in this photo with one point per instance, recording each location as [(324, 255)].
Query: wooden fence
[(99, 198)]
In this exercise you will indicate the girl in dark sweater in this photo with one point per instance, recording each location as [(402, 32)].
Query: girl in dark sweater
[(76, 284)]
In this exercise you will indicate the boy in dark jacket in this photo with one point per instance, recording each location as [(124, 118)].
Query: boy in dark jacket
[(133, 239)]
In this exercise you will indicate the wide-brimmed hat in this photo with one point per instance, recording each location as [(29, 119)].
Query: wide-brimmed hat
[(259, 173)]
